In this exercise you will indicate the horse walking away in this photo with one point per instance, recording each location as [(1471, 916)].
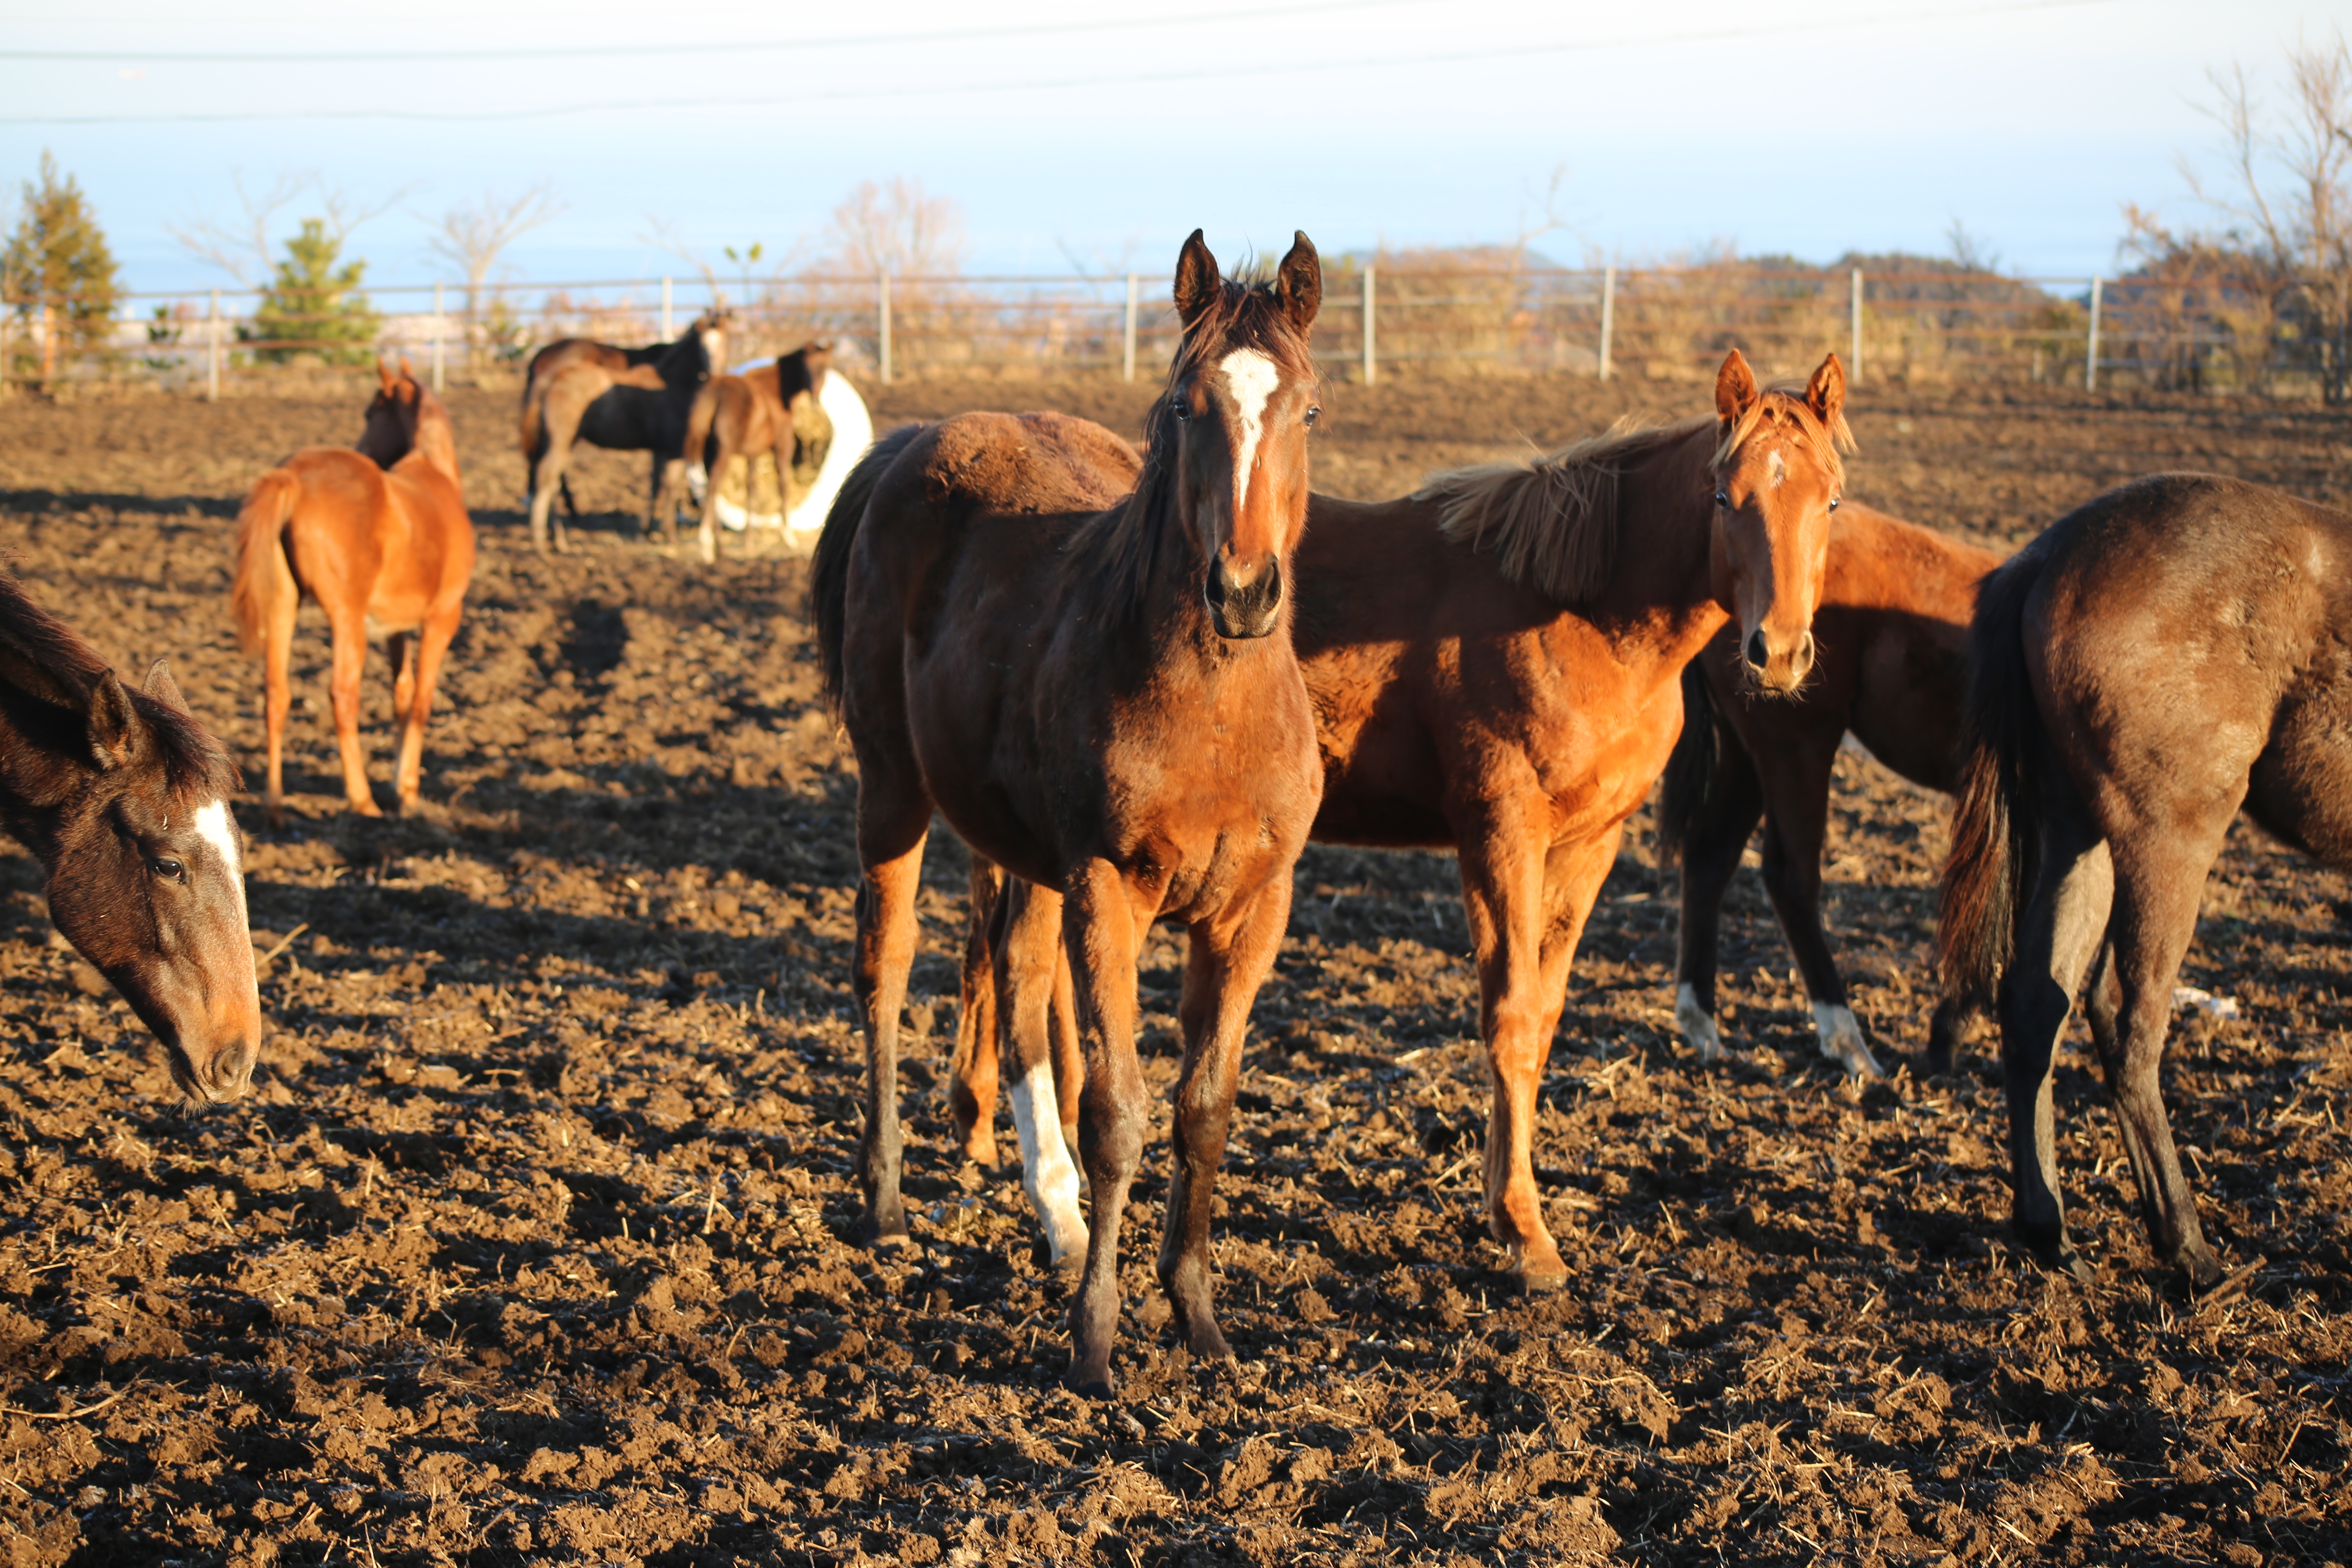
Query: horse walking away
[(123, 797), (1086, 668), (1892, 640), (2166, 653), (1495, 666), (640, 409), (770, 409), (378, 536)]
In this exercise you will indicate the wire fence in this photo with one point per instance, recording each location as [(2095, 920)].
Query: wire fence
[(1387, 317)]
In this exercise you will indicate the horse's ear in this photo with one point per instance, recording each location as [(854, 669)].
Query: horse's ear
[(1299, 281), (160, 686), (1825, 395), (118, 734), (1735, 388), (383, 375), (407, 374), (1197, 283)]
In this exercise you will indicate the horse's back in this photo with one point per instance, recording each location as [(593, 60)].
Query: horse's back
[(1018, 464)]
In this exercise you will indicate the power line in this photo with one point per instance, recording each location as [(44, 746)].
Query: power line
[(1143, 79), (638, 51)]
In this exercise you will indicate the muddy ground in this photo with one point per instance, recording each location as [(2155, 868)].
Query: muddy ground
[(530, 1245)]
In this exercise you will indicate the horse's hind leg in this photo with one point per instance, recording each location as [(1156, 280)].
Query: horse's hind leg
[(1711, 845), (349, 633), (2158, 880), (400, 649), (892, 823), (431, 645), (2065, 917), (1028, 964), (973, 1072), (277, 696)]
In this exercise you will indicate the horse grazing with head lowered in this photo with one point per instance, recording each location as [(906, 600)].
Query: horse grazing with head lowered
[(2160, 657), (1891, 636), (123, 797), (378, 536), (644, 407), (1495, 665), (1096, 686)]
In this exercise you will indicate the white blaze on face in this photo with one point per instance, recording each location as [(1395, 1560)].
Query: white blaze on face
[(1776, 467), (1251, 377), (216, 827)]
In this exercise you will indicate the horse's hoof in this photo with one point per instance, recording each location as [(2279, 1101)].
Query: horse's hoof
[(1070, 1272), (1542, 1280), (1090, 1385), (365, 809), (2201, 1267)]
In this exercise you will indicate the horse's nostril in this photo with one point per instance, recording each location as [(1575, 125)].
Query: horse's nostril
[(1758, 655), (1805, 654)]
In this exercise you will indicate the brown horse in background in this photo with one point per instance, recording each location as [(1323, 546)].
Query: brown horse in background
[(1495, 665), (762, 410), (384, 546), (2159, 657), (642, 408), (123, 798), (1099, 694), (559, 355), (1892, 631)]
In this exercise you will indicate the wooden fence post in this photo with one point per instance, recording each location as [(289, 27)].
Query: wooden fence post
[(213, 352), (882, 311), (437, 355), (1856, 377), (1129, 372), (665, 327), (1371, 358), (1608, 315), (2091, 349)]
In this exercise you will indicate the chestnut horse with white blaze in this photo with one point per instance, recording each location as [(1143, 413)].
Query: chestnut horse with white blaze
[(1095, 687), (1891, 636), (1494, 664), (378, 536), (123, 798)]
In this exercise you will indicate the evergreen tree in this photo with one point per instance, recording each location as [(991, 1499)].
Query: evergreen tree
[(57, 272), (315, 299)]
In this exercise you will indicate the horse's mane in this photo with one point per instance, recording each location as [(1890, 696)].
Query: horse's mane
[(195, 766), (1553, 521), (1122, 543)]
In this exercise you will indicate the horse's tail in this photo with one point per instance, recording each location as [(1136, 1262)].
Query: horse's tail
[(264, 579), (829, 572), (534, 420), (2003, 757), (1689, 778)]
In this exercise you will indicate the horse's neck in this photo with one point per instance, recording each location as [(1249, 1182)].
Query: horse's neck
[(38, 771), (436, 445), (1662, 595)]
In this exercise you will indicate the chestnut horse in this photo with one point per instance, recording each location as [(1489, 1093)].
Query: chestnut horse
[(1892, 635), (558, 355), (641, 408), (1495, 668), (762, 410), (123, 798), (384, 546), (1099, 694), (2159, 657)]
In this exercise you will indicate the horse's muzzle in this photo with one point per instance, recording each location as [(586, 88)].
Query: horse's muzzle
[(1245, 603), (1777, 670)]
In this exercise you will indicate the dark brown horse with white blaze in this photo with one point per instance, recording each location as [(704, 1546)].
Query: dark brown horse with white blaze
[(1495, 665), (1891, 640), (2173, 650), (123, 797), (378, 536), (1097, 689)]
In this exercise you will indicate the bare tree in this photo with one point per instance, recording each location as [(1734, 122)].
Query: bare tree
[(1970, 252), (2285, 192), (474, 234), (241, 246), (900, 229)]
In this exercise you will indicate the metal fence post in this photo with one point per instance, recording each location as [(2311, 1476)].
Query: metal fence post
[(1371, 356), (2091, 350), (1855, 379), (437, 320), (665, 326), (213, 351), (1131, 327), (1608, 315), (882, 315)]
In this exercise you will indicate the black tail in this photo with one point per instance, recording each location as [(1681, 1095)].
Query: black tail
[(828, 595), (2003, 755), (1690, 776)]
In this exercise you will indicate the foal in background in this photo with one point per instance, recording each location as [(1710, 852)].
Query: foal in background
[(378, 536)]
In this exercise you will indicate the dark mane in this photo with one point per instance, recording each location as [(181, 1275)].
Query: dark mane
[(1123, 542), (197, 768)]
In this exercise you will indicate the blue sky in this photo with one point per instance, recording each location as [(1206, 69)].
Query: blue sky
[(1677, 125)]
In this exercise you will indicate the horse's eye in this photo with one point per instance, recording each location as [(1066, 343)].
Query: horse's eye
[(1312, 416), (1722, 498), (1833, 502), (1180, 406), (171, 870)]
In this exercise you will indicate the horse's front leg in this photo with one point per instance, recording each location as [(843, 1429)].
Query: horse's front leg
[(1102, 927), (1712, 844), (1796, 826), (1227, 959), (1028, 964)]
